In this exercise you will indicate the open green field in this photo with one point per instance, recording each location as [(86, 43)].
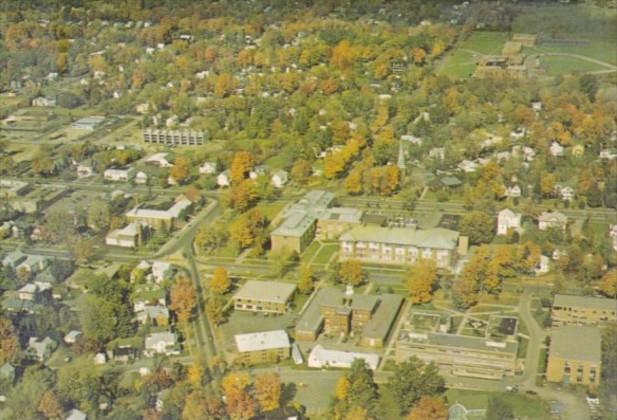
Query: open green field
[(522, 405), (462, 61), (325, 253)]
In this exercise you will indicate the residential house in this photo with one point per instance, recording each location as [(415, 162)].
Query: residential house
[(223, 179), (76, 414), (161, 343), (260, 170), (33, 264), (207, 168), (72, 336), (31, 291), (40, 349), (402, 245), (264, 296), (161, 271), (608, 154), (544, 265), (556, 220), (141, 178), (612, 233), (159, 160), (412, 139), (508, 221), (582, 310), (279, 179), (129, 236), (119, 174), (158, 315), (41, 101), (13, 259), (85, 170), (468, 166), (513, 191), (574, 356), (261, 347), (565, 192), (437, 153), (325, 358), (556, 149)]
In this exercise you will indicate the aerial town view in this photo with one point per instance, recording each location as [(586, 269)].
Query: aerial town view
[(309, 209)]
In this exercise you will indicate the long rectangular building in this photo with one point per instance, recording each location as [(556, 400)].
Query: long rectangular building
[(262, 347), (402, 245), (582, 310), (174, 137), (264, 296)]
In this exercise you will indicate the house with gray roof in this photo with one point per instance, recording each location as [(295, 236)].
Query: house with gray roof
[(40, 349)]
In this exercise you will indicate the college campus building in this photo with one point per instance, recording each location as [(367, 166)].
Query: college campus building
[(158, 219), (129, 236), (575, 356), (425, 335), (261, 347), (582, 310), (336, 313), (393, 245), (27, 198), (312, 216), (264, 296), (174, 137)]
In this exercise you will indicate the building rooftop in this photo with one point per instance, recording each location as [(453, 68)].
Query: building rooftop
[(320, 356), (586, 302), (262, 341), (303, 213), (576, 343), (381, 322), (343, 214), (461, 341), (295, 224), (267, 291), (438, 238)]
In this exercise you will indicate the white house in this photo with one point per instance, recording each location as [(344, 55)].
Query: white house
[(543, 266), (72, 336), (549, 220), (507, 221), (513, 191), (161, 343), (468, 166), (119, 174), (126, 237), (556, 149), (84, 170), (224, 179), (565, 192), (437, 153), (159, 159), (161, 271), (44, 102), (279, 179), (141, 178), (76, 414), (518, 133), (207, 168), (323, 358), (40, 349)]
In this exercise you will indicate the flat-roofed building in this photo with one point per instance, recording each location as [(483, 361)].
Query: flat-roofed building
[(428, 335), (575, 356), (332, 222), (27, 198), (127, 237), (262, 347), (300, 222), (335, 312), (402, 245), (264, 296), (583, 310), (119, 174), (174, 137), (157, 218), (324, 358)]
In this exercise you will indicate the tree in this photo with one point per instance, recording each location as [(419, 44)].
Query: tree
[(240, 403), (215, 309), (608, 284), (429, 407), (306, 279), (99, 215), (420, 280), (199, 404), (361, 392), (183, 297), (589, 85), (241, 164), (50, 407), (478, 226), (412, 380), (223, 85), (268, 388), (219, 284), (353, 182), (350, 272), (499, 409), (246, 228), (300, 171), (9, 342), (242, 196), (180, 171), (97, 318)]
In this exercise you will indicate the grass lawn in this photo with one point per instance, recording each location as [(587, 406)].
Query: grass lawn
[(560, 65), (461, 62), (270, 210), (326, 253), (522, 405), (488, 43), (310, 251)]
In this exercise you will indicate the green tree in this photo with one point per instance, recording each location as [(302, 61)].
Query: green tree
[(499, 409), (478, 226), (412, 380), (306, 279), (350, 272)]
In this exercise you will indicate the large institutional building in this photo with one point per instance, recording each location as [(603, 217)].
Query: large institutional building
[(262, 347), (393, 245), (312, 216), (264, 296), (582, 310), (575, 356), (174, 137)]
